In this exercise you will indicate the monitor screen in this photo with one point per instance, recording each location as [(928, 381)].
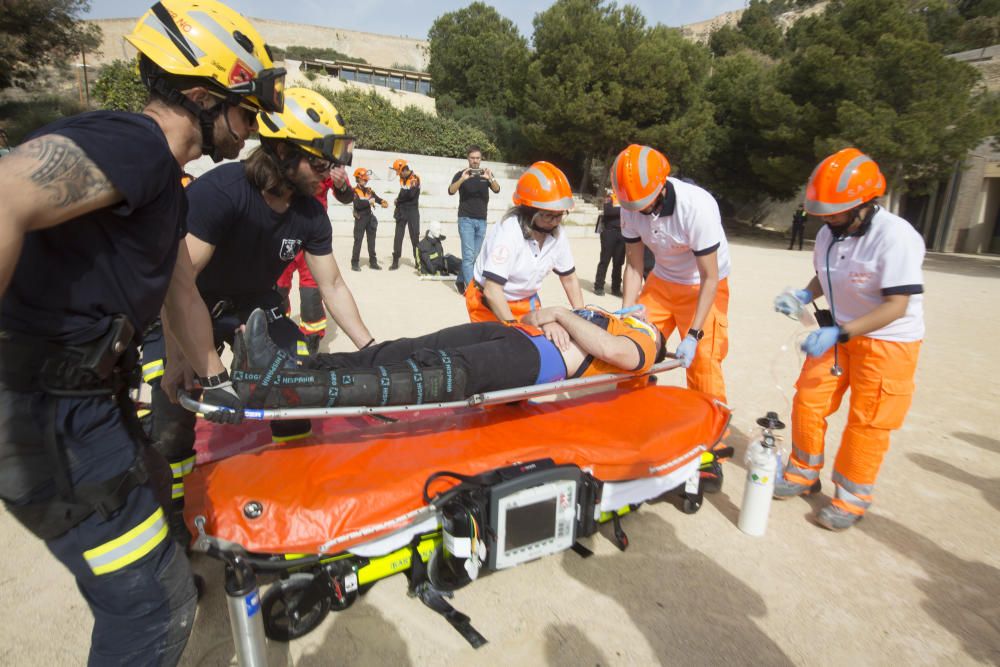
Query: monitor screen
[(530, 524)]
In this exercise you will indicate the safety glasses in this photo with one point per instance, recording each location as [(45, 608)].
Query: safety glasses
[(268, 88), (338, 148), (319, 165)]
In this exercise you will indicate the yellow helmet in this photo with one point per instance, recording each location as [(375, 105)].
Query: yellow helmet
[(186, 43), (312, 123)]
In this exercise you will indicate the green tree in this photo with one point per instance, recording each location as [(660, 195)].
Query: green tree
[(36, 33), (118, 87), (477, 58)]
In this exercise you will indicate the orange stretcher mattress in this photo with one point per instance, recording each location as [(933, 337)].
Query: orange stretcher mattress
[(358, 481)]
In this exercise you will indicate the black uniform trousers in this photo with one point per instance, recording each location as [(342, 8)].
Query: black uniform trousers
[(613, 252), (407, 218), (365, 225)]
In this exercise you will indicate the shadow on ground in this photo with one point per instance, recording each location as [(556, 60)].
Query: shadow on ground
[(568, 646), (981, 441), (988, 486), (691, 610), (962, 596)]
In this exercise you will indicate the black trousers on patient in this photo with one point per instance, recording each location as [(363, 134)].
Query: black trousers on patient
[(494, 356)]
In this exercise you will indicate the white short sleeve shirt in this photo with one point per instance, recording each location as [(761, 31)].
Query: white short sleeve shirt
[(694, 227), (520, 264), (861, 270)]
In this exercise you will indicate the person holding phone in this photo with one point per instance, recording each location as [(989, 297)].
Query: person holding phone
[(473, 186)]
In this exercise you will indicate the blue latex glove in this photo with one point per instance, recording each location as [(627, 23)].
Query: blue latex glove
[(818, 342), (783, 305), (685, 351)]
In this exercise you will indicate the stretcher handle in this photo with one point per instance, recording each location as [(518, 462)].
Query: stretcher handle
[(486, 398)]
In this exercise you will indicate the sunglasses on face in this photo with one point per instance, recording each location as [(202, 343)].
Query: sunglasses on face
[(557, 216), (319, 165)]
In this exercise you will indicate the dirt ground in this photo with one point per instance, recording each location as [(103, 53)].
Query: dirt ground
[(916, 582)]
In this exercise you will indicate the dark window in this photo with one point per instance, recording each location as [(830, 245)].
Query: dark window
[(396, 82), (364, 77), (410, 85), (424, 88), (379, 80), (348, 75)]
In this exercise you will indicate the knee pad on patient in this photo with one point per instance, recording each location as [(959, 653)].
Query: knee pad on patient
[(428, 377)]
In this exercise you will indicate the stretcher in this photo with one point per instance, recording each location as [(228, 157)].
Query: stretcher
[(442, 493)]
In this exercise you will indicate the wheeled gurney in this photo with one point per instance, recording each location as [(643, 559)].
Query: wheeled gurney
[(441, 495)]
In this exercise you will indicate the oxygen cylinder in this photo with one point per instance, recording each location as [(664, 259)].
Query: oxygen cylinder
[(762, 460)]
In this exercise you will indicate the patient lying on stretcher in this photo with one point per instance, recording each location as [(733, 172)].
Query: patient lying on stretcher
[(451, 364)]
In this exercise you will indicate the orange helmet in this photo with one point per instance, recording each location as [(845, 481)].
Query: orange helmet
[(361, 172), (544, 186), (399, 165), (845, 180), (637, 176)]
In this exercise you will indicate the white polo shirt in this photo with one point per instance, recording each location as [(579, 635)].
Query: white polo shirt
[(520, 264), (887, 259), (691, 227)]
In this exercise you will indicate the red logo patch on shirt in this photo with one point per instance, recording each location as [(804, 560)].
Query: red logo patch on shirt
[(859, 277), (501, 255)]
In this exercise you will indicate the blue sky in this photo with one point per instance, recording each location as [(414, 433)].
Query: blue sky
[(413, 19)]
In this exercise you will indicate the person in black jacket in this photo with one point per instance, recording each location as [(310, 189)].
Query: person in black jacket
[(609, 226), (798, 226), (365, 222), (407, 212)]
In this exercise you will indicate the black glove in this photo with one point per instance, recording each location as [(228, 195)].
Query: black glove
[(224, 396)]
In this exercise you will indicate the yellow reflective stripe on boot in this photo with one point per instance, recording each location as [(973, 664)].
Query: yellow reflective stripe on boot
[(177, 490), (152, 370), (130, 547)]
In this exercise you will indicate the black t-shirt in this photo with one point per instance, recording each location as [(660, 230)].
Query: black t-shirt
[(473, 195), (71, 279), (253, 243)]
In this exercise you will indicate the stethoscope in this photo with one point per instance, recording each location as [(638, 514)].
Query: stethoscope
[(835, 370)]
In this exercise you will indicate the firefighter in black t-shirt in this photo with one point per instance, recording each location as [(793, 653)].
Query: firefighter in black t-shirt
[(365, 222), (473, 186), (246, 223), (93, 215)]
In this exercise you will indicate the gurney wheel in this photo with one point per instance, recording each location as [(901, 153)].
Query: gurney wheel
[(279, 624), (691, 505)]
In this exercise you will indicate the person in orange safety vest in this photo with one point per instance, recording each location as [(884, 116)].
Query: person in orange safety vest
[(867, 264)]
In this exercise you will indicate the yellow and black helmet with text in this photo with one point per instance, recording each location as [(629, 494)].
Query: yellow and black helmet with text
[(312, 124), (187, 43)]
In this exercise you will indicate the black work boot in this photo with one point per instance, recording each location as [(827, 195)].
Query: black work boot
[(355, 266), (259, 351), (599, 290), (395, 263), (616, 290), (373, 264)]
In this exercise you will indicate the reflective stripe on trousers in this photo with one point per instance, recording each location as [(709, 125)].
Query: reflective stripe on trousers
[(880, 376)]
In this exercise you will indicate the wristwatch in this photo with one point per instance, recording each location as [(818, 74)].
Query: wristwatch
[(842, 335), (697, 333), (213, 381)]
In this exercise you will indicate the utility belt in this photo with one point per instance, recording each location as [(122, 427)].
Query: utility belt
[(242, 307), (104, 366)]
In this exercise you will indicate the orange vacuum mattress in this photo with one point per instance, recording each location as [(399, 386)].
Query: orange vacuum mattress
[(346, 485)]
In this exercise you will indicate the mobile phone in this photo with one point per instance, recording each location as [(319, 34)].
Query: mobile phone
[(475, 172)]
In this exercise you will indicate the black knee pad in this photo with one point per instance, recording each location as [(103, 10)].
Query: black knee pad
[(427, 377)]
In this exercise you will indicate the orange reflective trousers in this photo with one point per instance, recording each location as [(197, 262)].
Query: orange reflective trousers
[(879, 374), (672, 306), (478, 312)]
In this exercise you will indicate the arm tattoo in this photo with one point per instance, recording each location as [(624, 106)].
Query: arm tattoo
[(64, 171)]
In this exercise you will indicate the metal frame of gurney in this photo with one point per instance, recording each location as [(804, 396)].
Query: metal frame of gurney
[(533, 478)]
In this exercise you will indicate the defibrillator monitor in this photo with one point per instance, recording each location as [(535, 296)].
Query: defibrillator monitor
[(533, 515)]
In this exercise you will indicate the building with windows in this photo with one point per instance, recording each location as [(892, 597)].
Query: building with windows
[(386, 77)]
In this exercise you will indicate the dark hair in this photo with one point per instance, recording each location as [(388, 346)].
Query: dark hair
[(661, 351), (524, 215), (473, 149), (263, 170)]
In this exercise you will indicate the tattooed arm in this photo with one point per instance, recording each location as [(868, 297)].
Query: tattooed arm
[(43, 183)]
